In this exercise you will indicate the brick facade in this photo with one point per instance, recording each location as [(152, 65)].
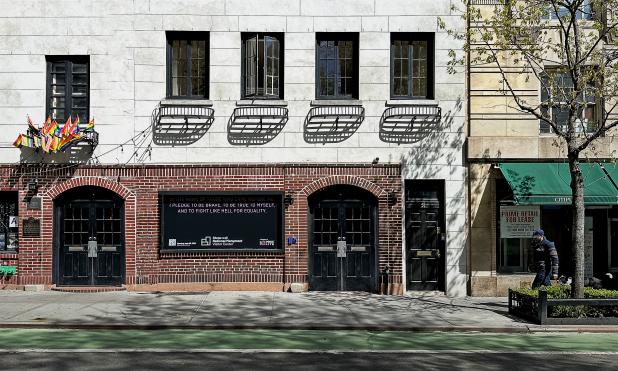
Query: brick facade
[(139, 186)]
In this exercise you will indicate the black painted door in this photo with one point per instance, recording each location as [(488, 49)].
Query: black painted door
[(424, 235), (91, 240), (342, 252)]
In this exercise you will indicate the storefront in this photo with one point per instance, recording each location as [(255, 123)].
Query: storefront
[(205, 227), (529, 196)]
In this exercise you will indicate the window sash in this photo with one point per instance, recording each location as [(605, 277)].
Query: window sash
[(558, 109), (585, 12), (187, 69), (262, 66), (336, 68), (410, 66), (68, 90)]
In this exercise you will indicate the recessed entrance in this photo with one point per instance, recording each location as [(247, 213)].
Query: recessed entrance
[(342, 248), (89, 237)]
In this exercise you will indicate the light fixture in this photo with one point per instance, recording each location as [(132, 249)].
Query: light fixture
[(288, 199), (32, 185)]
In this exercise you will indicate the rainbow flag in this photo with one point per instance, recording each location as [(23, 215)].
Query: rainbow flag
[(66, 128), (75, 127), (90, 125), (52, 138)]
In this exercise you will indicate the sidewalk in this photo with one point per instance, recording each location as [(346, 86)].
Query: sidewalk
[(264, 310)]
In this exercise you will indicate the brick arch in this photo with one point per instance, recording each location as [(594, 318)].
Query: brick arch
[(334, 180), (115, 187)]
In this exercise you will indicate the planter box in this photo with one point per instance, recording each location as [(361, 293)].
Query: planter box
[(535, 309)]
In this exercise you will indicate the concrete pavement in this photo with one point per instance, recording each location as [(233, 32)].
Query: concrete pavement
[(263, 310)]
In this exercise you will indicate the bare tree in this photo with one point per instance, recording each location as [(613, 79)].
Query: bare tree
[(570, 47)]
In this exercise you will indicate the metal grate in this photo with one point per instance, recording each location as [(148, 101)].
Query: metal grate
[(180, 124), (332, 124), (255, 125), (409, 124)]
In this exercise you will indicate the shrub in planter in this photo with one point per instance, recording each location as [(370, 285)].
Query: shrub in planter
[(575, 311)]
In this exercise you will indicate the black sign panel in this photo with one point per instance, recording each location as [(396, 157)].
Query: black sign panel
[(32, 227), (249, 221)]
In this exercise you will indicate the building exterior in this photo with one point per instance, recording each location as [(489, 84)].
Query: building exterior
[(240, 144), (519, 179)]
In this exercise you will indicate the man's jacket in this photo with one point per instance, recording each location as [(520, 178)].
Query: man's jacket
[(545, 253)]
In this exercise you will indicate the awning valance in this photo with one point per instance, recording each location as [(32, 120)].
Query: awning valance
[(547, 183)]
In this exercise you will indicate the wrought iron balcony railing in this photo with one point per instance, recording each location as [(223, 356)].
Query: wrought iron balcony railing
[(332, 124), (410, 123), (178, 123), (255, 125)]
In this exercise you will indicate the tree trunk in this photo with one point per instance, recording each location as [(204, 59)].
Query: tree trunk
[(577, 236)]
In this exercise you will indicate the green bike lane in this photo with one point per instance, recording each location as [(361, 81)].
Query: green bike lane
[(302, 340)]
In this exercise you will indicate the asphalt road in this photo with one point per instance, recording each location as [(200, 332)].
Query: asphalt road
[(304, 361)]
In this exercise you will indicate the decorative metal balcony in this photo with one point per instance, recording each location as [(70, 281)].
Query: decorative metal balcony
[(180, 123), (410, 123), (255, 125), (332, 124)]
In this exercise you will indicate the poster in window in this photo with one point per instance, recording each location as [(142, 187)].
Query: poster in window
[(221, 222), (519, 221)]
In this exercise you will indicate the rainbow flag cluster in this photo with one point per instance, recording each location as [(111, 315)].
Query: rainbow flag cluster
[(52, 137)]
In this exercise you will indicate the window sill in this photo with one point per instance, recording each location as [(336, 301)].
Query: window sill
[(411, 102), (336, 102), (262, 102), (186, 102)]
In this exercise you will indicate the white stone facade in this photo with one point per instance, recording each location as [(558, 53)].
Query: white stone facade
[(126, 42)]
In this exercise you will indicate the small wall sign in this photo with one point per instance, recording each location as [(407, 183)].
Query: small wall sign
[(32, 227)]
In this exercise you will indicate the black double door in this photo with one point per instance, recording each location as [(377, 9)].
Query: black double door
[(91, 241), (425, 238), (342, 249)]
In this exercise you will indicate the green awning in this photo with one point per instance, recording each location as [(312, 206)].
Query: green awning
[(547, 183)]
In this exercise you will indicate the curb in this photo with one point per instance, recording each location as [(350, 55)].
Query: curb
[(70, 326)]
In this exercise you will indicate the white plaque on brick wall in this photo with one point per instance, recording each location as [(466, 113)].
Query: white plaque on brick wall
[(519, 221)]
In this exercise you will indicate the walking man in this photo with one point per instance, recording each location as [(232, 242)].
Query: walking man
[(545, 259)]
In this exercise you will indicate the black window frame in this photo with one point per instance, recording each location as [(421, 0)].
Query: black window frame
[(188, 36), (245, 36), (7, 197), (338, 36), (411, 37), (68, 99)]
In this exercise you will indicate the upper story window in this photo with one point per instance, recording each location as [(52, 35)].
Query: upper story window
[(187, 65), (68, 87), (584, 12), (412, 65), (337, 65), (556, 92), (262, 65)]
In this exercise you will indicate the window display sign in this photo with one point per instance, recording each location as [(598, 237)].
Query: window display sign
[(198, 221), (519, 221)]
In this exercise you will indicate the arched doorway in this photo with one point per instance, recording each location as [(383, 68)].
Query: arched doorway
[(89, 247), (342, 240)]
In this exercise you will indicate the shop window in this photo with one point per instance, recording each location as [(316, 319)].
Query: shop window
[(514, 255), (412, 65), (556, 88), (68, 87), (187, 65), (262, 65), (337, 65), (8, 221)]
